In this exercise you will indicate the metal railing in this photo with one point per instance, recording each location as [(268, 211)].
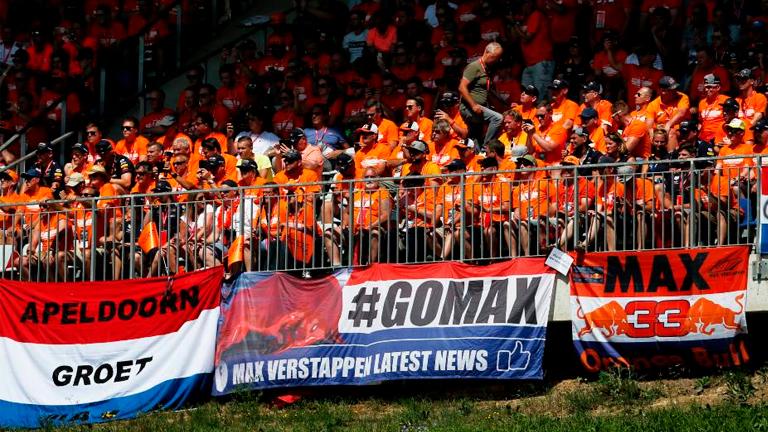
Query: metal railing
[(472, 217)]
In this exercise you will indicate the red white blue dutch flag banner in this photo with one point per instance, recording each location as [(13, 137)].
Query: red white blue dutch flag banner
[(97, 351)]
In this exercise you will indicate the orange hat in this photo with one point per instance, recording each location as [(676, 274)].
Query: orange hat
[(570, 160), (10, 174)]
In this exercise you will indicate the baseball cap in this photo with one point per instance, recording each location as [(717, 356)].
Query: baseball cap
[(343, 161), (96, 169), (44, 147), (215, 161), (456, 165), (588, 113), (527, 160), (517, 151), (162, 186), (291, 156), (32, 173), (626, 173), (247, 164), (593, 86), (559, 84), (75, 179), (419, 146), (103, 146), (570, 160), (711, 79), (730, 104), (449, 98), (409, 126), (761, 125), (531, 90), (687, 126), (80, 148), (736, 124), (668, 83), (581, 131), (368, 128), (10, 175), (745, 73), (296, 135)]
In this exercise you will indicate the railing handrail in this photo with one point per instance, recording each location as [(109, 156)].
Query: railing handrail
[(351, 182)]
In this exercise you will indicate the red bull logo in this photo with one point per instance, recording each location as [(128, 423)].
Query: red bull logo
[(666, 318)]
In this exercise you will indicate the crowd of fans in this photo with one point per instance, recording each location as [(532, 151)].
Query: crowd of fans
[(413, 131)]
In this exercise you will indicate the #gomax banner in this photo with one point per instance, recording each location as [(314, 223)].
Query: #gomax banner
[(95, 351), (445, 320), (658, 309)]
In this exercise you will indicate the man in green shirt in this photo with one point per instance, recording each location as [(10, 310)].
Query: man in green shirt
[(474, 87)]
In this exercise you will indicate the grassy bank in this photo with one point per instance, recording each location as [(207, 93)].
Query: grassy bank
[(613, 402)]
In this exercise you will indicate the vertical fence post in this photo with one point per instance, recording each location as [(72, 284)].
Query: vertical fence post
[(462, 220), (759, 210), (576, 206), (695, 210)]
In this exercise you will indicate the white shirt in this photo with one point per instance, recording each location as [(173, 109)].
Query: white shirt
[(355, 44), (261, 142)]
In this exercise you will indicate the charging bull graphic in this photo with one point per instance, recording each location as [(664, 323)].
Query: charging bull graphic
[(610, 318), (705, 313)]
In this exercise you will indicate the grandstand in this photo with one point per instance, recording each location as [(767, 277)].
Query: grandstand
[(342, 134)]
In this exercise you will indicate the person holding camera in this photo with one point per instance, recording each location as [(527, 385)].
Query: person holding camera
[(448, 110), (311, 155)]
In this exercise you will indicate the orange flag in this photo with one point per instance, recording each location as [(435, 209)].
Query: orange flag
[(300, 244), (149, 238), (236, 251)]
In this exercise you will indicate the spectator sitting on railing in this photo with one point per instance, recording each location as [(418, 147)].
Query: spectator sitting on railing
[(133, 146), (534, 203), (371, 212), (51, 241), (53, 175), (118, 167), (417, 216), (79, 162), (451, 198), (572, 208)]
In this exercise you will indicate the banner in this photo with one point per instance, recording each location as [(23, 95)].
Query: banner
[(656, 309), (89, 352), (445, 320), (763, 217)]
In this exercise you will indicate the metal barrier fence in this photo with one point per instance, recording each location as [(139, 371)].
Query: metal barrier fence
[(471, 217)]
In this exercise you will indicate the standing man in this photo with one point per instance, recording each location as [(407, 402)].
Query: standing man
[(536, 45), (474, 87)]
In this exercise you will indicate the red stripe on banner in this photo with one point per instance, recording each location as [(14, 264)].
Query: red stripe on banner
[(95, 312), (764, 181), (452, 270), (660, 273)]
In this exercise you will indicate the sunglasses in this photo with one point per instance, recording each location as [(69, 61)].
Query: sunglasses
[(541, 116), (410, 107), (91, 133), (128, 127), (179, 163)]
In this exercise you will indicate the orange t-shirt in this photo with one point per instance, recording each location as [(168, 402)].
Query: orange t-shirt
[(136, 151), (607, 192), (377, 154), (604, 110), (661, 113), (429, 168), (567, 110), (493, 195), (711, 117), (306, 176), (445, 155), (532, 198), (637, 128), (751, 105), (731, 168), (366, 207), (637, 77), (388, 132), (749, 134), (554, 134), (539, 48)]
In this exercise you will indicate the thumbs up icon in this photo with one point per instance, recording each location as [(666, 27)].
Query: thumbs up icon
[(514, 360)]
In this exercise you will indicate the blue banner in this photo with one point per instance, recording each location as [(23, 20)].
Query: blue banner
[(382, 323)]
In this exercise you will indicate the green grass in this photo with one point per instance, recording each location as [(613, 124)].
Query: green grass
[(420, 415)]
